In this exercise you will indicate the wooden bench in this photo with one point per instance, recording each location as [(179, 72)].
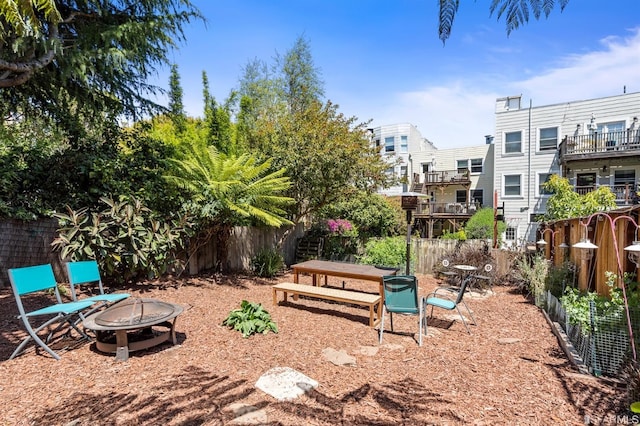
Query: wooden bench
[(337, 295)]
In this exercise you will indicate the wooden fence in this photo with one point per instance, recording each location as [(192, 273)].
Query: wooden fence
[(29, 243)]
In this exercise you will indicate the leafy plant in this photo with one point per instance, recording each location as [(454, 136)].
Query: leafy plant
[(267, 263), (458, 235), (560, 277), (125, 239), (610, 310), (340, 237), (250, 318), (390, 251), (480, 225), (531, 273)]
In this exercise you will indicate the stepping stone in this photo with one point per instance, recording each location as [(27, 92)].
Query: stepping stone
[(508, 340), (247, 414), (340, 357), (369, 350), (285, 384)]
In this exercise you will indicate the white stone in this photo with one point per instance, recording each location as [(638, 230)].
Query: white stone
[(284, 383)]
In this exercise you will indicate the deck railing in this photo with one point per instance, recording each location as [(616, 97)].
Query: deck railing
[(433, 208), (625, 194), (442, 176), (627, 140)]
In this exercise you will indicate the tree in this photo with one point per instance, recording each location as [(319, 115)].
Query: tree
[(565, 203), (226, 191), (480, 225), (516, 12), (176, 107), (110, 49), (299, 77), (327, 155)]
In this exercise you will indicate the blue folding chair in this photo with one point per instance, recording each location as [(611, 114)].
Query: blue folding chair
[(40, 278), (84, 273), (401, 296), (452, 301)]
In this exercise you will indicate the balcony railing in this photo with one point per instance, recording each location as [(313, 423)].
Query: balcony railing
[(625, 194), (442, 177), (447, 209), (627, 141)]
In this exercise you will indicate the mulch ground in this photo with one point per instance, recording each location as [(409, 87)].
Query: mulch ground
[(510, 370)]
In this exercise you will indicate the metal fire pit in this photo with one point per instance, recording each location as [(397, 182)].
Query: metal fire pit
[(132, 325)]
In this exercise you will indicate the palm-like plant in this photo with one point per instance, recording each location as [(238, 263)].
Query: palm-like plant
[(226, 191), (516, 12)]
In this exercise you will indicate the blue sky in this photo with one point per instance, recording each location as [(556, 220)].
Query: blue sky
[(381, 60)]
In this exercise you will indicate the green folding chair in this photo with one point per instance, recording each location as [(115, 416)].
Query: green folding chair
[(40, 278), (401, 297), (85, 276)]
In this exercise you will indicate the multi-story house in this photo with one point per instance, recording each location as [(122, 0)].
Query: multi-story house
[(457, 181), (592, 142), (396, 143)]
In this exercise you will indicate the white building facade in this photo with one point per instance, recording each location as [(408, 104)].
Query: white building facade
[(586, 141), (396, 143)]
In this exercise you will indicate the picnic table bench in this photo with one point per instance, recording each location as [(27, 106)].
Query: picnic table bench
[(334, 294)]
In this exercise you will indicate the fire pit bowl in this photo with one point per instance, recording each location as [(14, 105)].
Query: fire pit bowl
[(133, 324)]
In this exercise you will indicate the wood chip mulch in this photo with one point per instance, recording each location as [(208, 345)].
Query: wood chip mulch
[(510, 370)]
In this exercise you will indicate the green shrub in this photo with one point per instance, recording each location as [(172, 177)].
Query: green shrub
[(531, 274), (480, 225), (267, 263), (560, 277), (459, 235), (250, 318), (609, 309), (340, 238), (125, 239), (374, 215), (390, 251)]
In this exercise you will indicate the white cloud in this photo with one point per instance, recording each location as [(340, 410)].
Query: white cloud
[(461, 112), (448, 116), (589, 75)]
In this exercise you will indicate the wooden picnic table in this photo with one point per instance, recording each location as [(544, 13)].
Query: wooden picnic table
[(317, 268)]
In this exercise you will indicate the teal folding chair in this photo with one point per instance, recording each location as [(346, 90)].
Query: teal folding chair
[(401, 297), (84, 274), (40, 278), (452, 302)]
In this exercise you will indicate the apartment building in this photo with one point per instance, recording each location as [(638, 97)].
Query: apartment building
[(396, 143), (591, 142)]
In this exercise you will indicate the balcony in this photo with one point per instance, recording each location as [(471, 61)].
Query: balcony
[(446, 210), (600, 145), (440, 179), (625, 194)]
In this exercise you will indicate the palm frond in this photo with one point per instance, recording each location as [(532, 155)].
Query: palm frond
[(448, 9)]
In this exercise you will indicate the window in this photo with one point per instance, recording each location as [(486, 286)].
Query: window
[(510, 234), (477, 196), (389, 144), (513, 142), (425, 167), (476, 165), (513, 103), (463, 165), (624, 184), (542, 178), (404, 144), (585, 183), (403, 171), (461, 196), (549, 139), (511, 185)]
